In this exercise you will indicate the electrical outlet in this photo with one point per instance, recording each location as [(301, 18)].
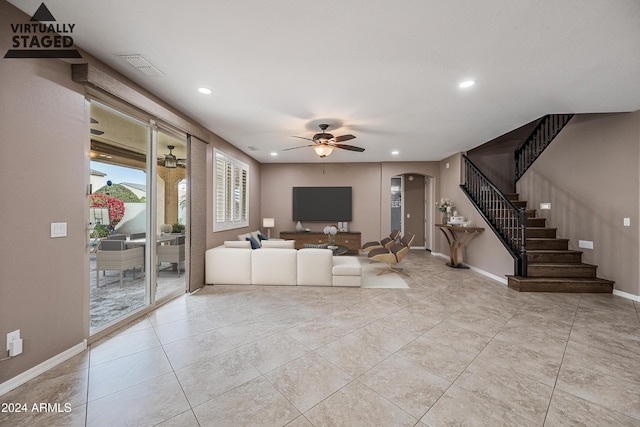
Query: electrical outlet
[(12, 336), (585, 244)]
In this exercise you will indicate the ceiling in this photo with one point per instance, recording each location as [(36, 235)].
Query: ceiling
[(386, 72)]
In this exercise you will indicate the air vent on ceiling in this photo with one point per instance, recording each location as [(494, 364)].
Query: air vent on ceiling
[(253, 148), (142, 65)]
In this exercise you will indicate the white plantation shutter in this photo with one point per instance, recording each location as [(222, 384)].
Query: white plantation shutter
[(231, 193)]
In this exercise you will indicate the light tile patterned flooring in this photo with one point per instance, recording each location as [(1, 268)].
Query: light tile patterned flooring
[(454, 349)]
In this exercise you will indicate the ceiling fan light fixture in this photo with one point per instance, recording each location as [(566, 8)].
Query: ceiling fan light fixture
[(322, 150), (170, 160)]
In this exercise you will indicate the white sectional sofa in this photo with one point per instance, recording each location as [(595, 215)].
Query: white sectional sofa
[(278, 263)]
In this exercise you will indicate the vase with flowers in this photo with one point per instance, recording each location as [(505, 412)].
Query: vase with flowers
[(331, 231), (445, 206)]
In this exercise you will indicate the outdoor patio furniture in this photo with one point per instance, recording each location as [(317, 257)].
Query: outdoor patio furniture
[(113, 255), (135, 236), (174, 252)]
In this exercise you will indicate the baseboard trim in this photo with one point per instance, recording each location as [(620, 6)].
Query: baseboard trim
[(502, 280), (30, 374), (626, 295), (438, 254)]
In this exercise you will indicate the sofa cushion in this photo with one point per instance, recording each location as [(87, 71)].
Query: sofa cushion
[(271, 266), (280, 244), (314, 267), (228, 266), (237, 244)]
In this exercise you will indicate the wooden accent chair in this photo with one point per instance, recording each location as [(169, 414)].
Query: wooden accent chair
[(173, 253), (384, 243), (393, 255), (113, 255)]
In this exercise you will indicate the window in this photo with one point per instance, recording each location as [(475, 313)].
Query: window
[(231, 198)]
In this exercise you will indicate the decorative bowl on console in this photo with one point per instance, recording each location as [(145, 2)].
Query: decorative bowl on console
[(457, 220)]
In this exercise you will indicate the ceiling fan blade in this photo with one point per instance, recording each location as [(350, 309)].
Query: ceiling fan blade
[(302, 146), (344, 138), (349, 147), (96, 132), (302, 137)]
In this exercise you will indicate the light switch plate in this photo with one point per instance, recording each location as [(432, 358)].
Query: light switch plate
[(545, 206), (58, 229), (627, 222)]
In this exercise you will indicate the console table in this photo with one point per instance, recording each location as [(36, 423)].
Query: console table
[(458, 238), (350, 239)]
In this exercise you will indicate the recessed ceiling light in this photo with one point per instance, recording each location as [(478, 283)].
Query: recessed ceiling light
[(273, 153), (395, 152), (467, 83), (204, 90)]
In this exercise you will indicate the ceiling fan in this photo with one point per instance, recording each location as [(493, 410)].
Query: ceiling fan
[(170, 161), (324, 143), (95, 131)]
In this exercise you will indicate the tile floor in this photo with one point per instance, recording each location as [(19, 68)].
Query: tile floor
[(454, 349)]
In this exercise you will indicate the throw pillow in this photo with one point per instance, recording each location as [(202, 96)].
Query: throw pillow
[(254, 243), (254, 234), (243, 236), (262, 236)]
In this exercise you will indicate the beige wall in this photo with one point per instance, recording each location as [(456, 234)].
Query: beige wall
[(590, 174), (371, 191), (485, 251), (44, 129)]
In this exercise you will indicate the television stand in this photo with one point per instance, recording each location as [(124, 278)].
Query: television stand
[(350, 239)]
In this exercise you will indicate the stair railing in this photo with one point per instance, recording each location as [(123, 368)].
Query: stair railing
[(506, 220), (539, 139)]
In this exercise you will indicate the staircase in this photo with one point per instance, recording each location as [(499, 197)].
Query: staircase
[(551, 265), (542, 261)]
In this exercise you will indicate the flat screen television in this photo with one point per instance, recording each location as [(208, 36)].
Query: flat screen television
[(322, 204)]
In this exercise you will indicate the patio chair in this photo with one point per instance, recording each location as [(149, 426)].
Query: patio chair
[(384, 243), (393, 255), (113, 255), (117, 237), (173, 253)]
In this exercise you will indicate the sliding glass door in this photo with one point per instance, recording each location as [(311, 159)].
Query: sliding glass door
[(171, 207), (118, 206), (137, 210)]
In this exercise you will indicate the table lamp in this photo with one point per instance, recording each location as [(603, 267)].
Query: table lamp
[(268, 223)]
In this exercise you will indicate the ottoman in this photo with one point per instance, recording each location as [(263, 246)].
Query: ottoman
[(347, 271)]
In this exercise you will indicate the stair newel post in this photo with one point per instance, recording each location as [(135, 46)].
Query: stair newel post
[(523, 243)]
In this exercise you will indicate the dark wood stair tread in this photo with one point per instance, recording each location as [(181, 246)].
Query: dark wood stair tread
[(553, 251), (560, 284), (565, 270)]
